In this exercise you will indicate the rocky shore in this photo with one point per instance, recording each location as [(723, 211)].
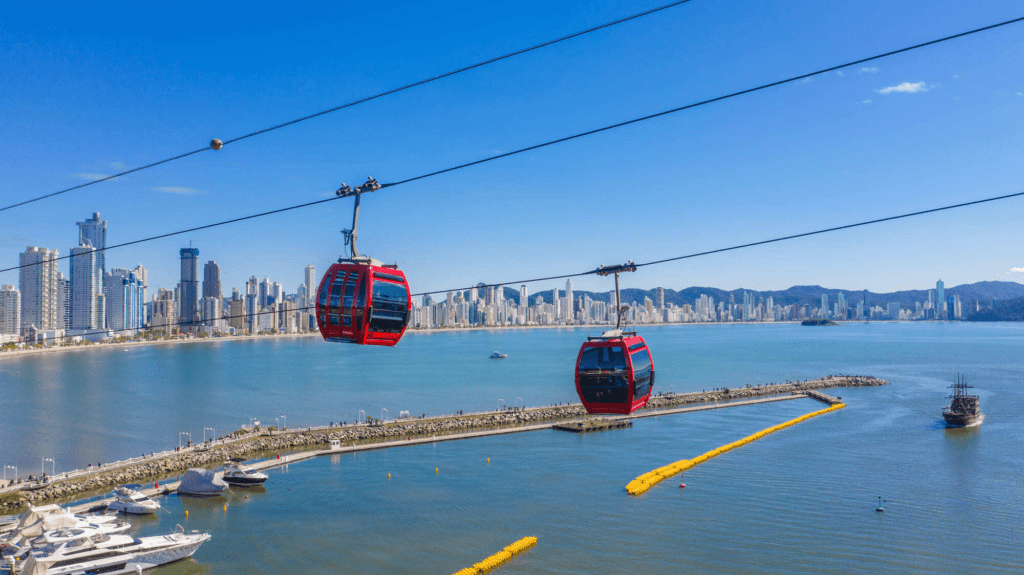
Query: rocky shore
[(254, 443)]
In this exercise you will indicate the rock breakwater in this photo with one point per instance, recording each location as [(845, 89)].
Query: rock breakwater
[(250, 444)]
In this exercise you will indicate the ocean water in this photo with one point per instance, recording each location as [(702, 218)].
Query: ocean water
[(798, 501)]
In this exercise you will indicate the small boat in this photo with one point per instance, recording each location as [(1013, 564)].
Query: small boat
[(237, 473), (497, 355), (201, 483), (963, 409), (130, 499)]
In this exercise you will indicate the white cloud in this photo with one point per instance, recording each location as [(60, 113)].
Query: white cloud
[(91, 177), (117, 166), (904, 88), (840, 73), (806, 80), (1020, 93), (177, 190), (1018, 270), (865, 101), (869, 70)]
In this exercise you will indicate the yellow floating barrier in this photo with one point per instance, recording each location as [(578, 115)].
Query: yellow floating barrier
[(644, 482), (500, 557)]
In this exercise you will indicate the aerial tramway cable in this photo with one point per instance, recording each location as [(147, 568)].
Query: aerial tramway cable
[(217, 144)]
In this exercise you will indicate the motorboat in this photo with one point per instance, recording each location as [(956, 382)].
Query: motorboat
[(111, 554), (498, 355), (45, 518), (200, 482), (237, 473), (130, 499)]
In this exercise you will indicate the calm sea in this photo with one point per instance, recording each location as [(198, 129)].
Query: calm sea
[(799, 501)]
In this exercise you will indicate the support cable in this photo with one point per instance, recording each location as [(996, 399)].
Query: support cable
[(591, 132), (217, 144)]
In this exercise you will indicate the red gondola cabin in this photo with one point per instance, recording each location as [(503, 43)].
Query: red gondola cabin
[(362, 303), (614, 374)]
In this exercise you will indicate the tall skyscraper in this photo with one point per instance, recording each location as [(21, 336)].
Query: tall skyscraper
[(10, 310), (63, 302), (124, 299), (568, 300), (311, 285), (38, 283), (659, 297), (211, 280), (189, 286), (88, 305), (524, 296), (94, 232), (824, 306), (940, 300)]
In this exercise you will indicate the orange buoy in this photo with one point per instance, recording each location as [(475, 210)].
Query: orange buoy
[(682, 485)]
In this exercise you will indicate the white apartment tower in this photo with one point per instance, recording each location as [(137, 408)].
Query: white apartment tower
[(93, 233), (88, 309), (10, 310), (310, 284), (38, 283)]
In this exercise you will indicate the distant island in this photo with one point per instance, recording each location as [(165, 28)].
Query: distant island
[(818, 322)]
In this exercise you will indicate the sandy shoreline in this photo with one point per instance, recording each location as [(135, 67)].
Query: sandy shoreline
[(112, 346)]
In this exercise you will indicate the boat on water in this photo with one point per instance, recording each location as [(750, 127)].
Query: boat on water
[(45, 518), (117, 554), (237, 473), (963, 409), (201, 483), (130, 499), (498, 355)]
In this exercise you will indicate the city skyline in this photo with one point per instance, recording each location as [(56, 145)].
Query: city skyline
[(837, 149)]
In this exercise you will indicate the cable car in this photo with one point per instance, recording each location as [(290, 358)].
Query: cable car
[(615, 371), (360, 300)]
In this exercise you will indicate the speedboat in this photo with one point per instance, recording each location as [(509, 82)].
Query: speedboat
[(497, 355), (112, 554), (236, 473), (130, 499)]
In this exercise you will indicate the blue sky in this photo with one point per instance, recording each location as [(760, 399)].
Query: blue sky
[(90, 91)]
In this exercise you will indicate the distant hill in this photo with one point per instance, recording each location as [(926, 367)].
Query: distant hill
[(984, 292), (1005, 310)]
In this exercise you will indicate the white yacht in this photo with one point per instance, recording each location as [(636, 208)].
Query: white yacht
[(46, 518), (236, 473), (111, 554), (130, 499)]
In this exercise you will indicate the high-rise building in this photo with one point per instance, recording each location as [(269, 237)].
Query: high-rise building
[(63, 302), (188, 288), (940, 300), (568, 300), (659, 297), (524, 297), (94, 232), (211, 280), (310, 285), (266, 291), (88, 305), (10, 310), (124, 299), (824, 306), (38, 287)]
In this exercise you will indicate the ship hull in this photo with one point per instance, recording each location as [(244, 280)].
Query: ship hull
[(961, 419)]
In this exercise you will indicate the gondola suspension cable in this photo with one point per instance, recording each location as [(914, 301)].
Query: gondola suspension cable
[(217, 144), (596, 131), (604, 271)]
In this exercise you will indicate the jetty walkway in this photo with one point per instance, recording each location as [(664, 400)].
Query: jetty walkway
[(363, 437)]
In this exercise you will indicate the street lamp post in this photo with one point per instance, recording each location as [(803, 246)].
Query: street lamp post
[(213, 435), (362, 416), (285, 420), (383, 414), (498, 406), (277, 426), (15, 468), (180, 433), (521, 404), (53, 469)]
